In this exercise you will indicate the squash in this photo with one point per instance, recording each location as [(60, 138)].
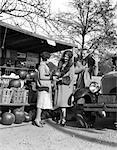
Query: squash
[(22, 74), (27, 117), (19, 116), (15, 83), (7, 118)]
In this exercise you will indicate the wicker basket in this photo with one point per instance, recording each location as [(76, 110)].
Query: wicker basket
[(6, 95), (20, 96)]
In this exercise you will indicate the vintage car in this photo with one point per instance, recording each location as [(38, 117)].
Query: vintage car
[(97, 100)]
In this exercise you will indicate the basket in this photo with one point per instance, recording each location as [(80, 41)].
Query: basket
[(6, 95), (20, 96)]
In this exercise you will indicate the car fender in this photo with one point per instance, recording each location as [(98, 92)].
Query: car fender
[(82, 93)]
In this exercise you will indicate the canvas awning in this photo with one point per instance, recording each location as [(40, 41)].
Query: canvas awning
[(15, 38)]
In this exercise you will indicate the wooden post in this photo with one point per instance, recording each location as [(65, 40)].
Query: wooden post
[(0, 48)]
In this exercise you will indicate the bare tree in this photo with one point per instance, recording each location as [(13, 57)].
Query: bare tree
[(28, 12), (89, 23), (108, 37)]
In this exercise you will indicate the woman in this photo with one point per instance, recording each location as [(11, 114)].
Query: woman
[(65, 83), (44, 100), (79, 72), (82, 70)]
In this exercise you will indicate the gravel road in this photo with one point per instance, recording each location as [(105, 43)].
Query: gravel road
[(54, 137)]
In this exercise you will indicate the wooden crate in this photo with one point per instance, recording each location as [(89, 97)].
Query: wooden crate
[(20, 96), (6, 95), (5, 82)]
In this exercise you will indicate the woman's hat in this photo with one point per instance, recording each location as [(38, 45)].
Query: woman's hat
[(69, 53), (45, 55)]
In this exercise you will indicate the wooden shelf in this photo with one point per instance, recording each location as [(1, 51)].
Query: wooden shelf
[(17, 68), (14, 104)]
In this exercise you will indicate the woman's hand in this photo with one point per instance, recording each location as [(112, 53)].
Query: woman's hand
[(57, 73), (55, 78), (59, 79)]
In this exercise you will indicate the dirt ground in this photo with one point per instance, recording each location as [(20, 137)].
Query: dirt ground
[(25, 136)]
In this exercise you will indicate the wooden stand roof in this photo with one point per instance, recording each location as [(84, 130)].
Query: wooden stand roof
[(23, 40)]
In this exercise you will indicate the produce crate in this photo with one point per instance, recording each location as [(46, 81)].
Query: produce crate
[(20, 96), (5, 82), (6, 95)]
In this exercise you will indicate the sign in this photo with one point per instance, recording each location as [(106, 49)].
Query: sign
[(32, 59)]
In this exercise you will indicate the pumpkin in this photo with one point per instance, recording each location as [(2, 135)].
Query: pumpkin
[(27, 117), (15, 83), (22, 74), (28, 76), (19, 116), (7, 118)]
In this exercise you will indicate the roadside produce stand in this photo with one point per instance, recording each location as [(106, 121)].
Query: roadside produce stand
[(19, 52)]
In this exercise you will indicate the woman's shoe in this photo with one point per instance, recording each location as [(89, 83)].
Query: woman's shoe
[(38, 124), (42, 122), (63, 122)]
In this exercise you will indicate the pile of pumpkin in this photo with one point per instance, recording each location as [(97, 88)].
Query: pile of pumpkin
[(23, 75), (16, 116)]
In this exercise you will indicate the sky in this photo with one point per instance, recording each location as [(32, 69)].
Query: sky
[(56, 6), (61, 5)]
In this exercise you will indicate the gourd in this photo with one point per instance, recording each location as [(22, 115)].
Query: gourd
[(22, 74), (19, 116), (7, 118), (15, 83), (27, 117)]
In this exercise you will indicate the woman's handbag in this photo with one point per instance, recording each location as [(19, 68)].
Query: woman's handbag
[(43, 88), (39, 86), (66, 80)]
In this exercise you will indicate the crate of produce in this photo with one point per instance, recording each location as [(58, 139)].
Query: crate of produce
[(20, 96), (6, 95), (5, 82)]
